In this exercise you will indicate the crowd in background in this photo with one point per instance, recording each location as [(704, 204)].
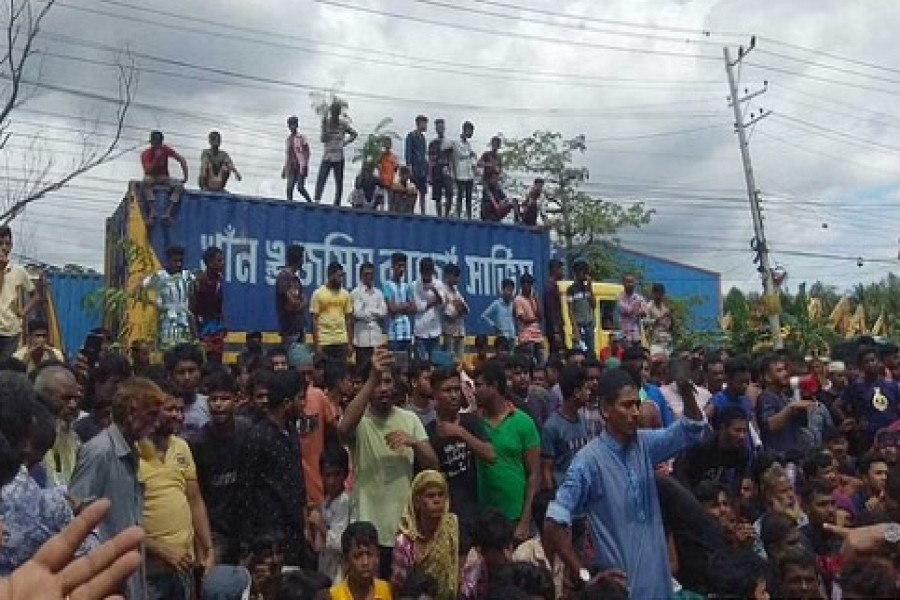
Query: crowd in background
[(382, 460)]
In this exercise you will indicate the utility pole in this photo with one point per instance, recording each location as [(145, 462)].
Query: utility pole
[(759, 243)]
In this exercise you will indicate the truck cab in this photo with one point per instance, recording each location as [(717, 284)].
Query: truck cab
[(606, 316)]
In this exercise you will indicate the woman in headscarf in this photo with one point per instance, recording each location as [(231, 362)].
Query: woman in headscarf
[(429, 536)]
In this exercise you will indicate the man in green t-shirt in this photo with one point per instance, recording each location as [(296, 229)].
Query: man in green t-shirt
[(384, 441), (511, 481)]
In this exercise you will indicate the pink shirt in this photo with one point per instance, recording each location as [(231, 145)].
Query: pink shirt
[(527, 308), (295, 153)]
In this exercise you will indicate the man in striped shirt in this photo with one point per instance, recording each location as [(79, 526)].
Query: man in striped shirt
[(399, 298), (174, 287)]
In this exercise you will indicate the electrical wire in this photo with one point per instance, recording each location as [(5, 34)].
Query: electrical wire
[(517, 35)]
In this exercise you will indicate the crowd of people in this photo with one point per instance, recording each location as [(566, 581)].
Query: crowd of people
[(382, 460), (450, 168)]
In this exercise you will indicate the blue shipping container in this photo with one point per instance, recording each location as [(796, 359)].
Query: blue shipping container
[(68, 291), (700, 287), (254, 234)]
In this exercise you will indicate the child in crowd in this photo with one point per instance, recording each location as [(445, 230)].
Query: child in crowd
[(303, 585), (335, 511), (531, 551), (419, 585), (359, 548), (493, 541)]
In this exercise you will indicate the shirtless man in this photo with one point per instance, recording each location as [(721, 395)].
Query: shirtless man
[(216, 166)]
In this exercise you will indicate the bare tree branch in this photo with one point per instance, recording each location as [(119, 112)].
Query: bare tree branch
[(21, 18), (39, 175)]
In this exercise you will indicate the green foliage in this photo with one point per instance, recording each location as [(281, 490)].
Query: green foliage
[(584, 222), (802, 331), (881, 297), (113, 304), (370, 152), (689, 333), (746, 331)]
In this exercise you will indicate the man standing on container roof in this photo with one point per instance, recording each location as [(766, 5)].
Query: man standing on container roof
[(155, 161), (296, 161), (417, 158), (440, 152), (464, 169)]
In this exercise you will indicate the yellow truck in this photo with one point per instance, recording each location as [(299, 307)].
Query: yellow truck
[(606, 316)]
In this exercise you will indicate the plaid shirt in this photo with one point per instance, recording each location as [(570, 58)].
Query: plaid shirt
[(399, 326)]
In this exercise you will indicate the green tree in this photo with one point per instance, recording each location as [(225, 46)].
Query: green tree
[(803, 332), (882, 297), (583, 222), (370, 151), (744, 332)]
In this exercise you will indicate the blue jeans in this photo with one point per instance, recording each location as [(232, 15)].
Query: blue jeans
[(172, 585), (588, 336), (338, 168), (425, 346), (399, 345)]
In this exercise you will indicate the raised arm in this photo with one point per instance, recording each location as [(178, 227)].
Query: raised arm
[(353, 414), (351, 135)]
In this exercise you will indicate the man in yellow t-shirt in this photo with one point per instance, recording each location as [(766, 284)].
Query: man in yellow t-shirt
[(332, 312), (174, 511)]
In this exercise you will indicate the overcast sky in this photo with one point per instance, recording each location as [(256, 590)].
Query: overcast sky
[(643, 80)]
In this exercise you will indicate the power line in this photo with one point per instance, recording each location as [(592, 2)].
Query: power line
[(820, 65), (605, 21), (801, 74), (383, 98), (443, 67), (831, 55), (581, 26), (817, 152), (822, 130), (518, 35), (628, 138)]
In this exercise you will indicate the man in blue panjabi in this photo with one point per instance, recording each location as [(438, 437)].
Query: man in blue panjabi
[(612, 481)]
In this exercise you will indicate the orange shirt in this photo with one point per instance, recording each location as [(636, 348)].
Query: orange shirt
[(387, 169), (319, 414)]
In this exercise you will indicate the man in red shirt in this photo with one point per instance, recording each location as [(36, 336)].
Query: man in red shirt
[(155, 161)]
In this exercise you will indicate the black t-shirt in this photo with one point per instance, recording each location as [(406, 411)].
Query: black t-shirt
[(216, 456), (707, 461), (697, 535), (290, 322), (458, 462)]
